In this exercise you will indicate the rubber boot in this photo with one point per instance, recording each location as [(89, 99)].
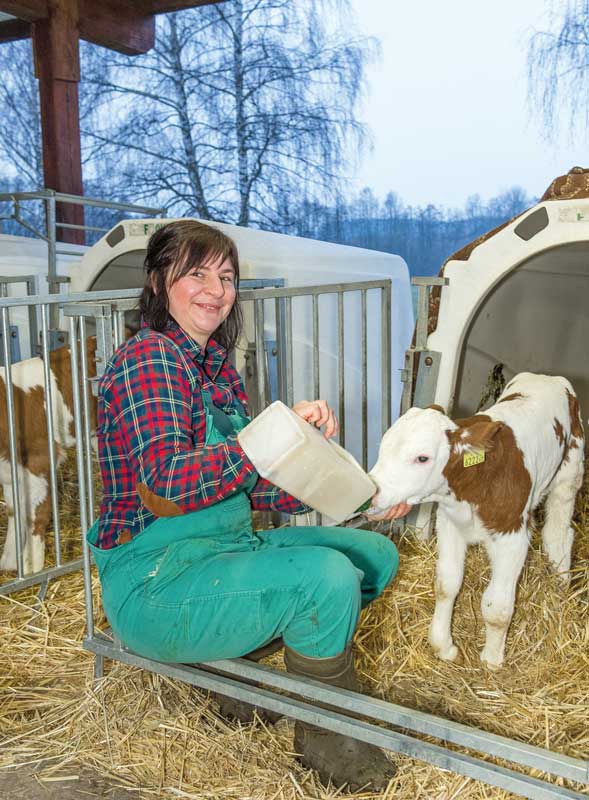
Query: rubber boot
[(231, 708), (335, 757)]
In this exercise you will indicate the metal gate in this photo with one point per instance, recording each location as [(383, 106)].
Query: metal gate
[(387, 725)]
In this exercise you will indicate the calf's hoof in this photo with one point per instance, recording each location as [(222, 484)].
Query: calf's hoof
[(449, 653), (491, 662)]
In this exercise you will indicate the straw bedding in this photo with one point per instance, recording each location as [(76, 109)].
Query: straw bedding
[(164, 739)]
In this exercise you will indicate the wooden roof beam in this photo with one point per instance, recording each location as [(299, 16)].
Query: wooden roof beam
[(116, 25), (166, 6), (13, 29), (28, 10), (57, 66)]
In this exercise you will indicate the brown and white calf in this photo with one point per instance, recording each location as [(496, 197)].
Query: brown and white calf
[(488, 473), (33, 450)]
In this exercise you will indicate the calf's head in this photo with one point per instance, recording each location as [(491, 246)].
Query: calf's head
[(412, 457), (477, 459)]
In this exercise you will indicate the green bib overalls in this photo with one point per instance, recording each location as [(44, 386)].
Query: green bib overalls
[(203, 586)]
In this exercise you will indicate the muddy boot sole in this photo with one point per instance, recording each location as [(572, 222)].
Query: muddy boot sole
[(343, 760)]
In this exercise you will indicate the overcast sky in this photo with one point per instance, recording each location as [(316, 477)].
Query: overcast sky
[(447, 102)]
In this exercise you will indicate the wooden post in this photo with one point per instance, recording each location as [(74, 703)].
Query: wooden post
[(57, 67)]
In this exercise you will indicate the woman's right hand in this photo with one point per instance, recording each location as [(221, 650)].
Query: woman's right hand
[(318, 413)]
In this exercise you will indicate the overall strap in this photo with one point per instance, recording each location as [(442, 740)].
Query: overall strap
[(221, 420)]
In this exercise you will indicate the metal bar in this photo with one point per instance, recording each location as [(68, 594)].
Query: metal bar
[(81, 477), (407, 378), (51, 243), (324, 288), (260, 354), (385, 373), (289, 358), (364, 383), (424, 285), (429, 280), (79, 297), (40, 577), (79, 251), (78, 200), (316, 386), (89, 308), (52, 283), (33, 329), (248, 294), (86, 407), (80, 227), (42, 594), (422, 316), (280, 350), (104, 338), (17, 279), (341, 377), (119, 328), (335, 721), (50, 431), (28, 227), (419, 721), (18, 526)]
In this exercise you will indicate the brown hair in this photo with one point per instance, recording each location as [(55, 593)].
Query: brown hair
[(174, 251)]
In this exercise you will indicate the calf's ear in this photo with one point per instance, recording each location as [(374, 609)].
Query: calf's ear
[(482, 435), (436, 407)]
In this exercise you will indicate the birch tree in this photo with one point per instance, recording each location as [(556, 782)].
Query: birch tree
[(239, 112), (20, 117)]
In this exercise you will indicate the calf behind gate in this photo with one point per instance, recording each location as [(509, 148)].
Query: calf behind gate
[(488, 473), (33, 466)]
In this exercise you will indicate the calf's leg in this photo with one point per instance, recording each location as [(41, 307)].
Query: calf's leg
[(40, 516), (449, 576), (507, 553), (8, 560), (557, 533)]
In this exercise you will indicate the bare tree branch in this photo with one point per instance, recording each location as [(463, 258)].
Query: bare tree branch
[(558, 70)]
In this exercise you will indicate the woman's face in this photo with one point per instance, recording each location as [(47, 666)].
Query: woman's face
[(201, 300)]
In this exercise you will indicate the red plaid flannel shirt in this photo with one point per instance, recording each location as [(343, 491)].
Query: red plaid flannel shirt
[(151, 428)]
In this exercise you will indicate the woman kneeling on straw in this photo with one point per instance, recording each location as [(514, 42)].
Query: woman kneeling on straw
[(184, 578)]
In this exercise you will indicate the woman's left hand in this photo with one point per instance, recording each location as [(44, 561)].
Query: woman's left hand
[(394, 512), (318, 413)]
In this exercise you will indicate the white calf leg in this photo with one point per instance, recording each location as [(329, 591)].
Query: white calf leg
[(38, 511), (33, 496), (557, 534), (8, 560), (507, 553), (449, 576)]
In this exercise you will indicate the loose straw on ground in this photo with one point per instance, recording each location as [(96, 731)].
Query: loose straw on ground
[(164, 739)]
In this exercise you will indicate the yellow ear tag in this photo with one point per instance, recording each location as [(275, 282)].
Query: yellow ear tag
[(473, 458)]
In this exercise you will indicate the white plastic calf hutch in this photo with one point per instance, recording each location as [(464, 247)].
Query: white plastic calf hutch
[(514, 300), (517, 297)]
